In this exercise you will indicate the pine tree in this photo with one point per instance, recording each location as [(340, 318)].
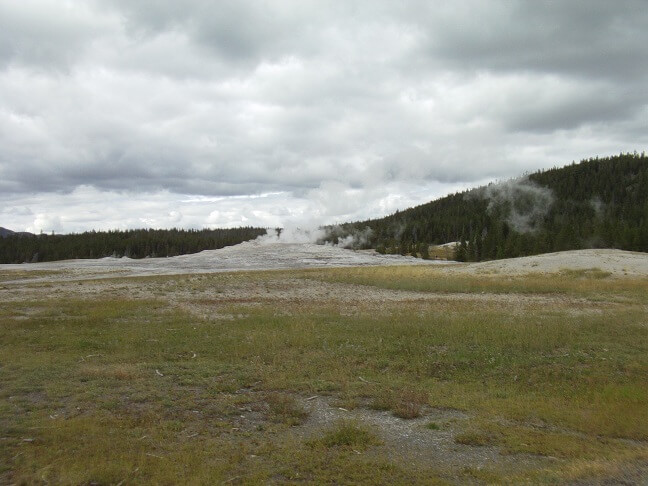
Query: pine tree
[(424, 250)]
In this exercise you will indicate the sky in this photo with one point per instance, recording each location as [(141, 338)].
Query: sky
[(118, 114)]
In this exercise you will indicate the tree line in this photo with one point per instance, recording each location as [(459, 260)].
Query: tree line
[(141, 243)]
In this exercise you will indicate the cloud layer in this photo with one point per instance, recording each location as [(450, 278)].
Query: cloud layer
[(276, 112)]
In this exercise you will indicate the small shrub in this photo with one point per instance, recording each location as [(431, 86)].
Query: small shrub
[(432, 426)]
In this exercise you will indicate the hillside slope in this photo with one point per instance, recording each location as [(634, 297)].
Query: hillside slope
[(597, 203)]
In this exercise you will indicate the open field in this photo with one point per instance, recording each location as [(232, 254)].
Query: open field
[(468, 374)]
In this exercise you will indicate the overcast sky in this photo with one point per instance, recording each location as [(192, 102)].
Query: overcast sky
[(161, 113)]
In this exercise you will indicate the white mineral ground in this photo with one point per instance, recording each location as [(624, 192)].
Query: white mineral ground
[(251, 255), (618, 263), (255, 255)]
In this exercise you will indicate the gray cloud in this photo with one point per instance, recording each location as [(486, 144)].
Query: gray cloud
[(587, 38), (319, 102), (48, 35)]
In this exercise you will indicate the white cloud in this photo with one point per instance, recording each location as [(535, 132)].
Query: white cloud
[(308, 111)]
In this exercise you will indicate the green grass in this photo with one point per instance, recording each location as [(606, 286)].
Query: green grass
[(141, 389), (587, 283), (20, 274)]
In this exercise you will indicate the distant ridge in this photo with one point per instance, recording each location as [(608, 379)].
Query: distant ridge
[(4, 232)]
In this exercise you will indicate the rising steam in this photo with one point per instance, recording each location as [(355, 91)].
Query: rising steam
[(292, 234), (327, 235), (523, 202)]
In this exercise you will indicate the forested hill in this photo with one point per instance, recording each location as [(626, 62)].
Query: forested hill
[(25, 247), (597, 203)]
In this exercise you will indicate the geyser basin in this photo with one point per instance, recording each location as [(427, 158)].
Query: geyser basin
[(251, 255)]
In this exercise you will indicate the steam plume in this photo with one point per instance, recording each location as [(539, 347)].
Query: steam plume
[(523, 201)]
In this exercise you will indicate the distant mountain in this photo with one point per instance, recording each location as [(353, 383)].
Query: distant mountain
[(4, 232), (597, 203)]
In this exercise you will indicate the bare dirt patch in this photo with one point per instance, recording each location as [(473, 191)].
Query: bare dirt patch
[(411, 440)]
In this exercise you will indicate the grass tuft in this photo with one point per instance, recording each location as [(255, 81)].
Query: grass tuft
[(348, 434), (405, 403), (285, 409), (474, 438), (410, 403)]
